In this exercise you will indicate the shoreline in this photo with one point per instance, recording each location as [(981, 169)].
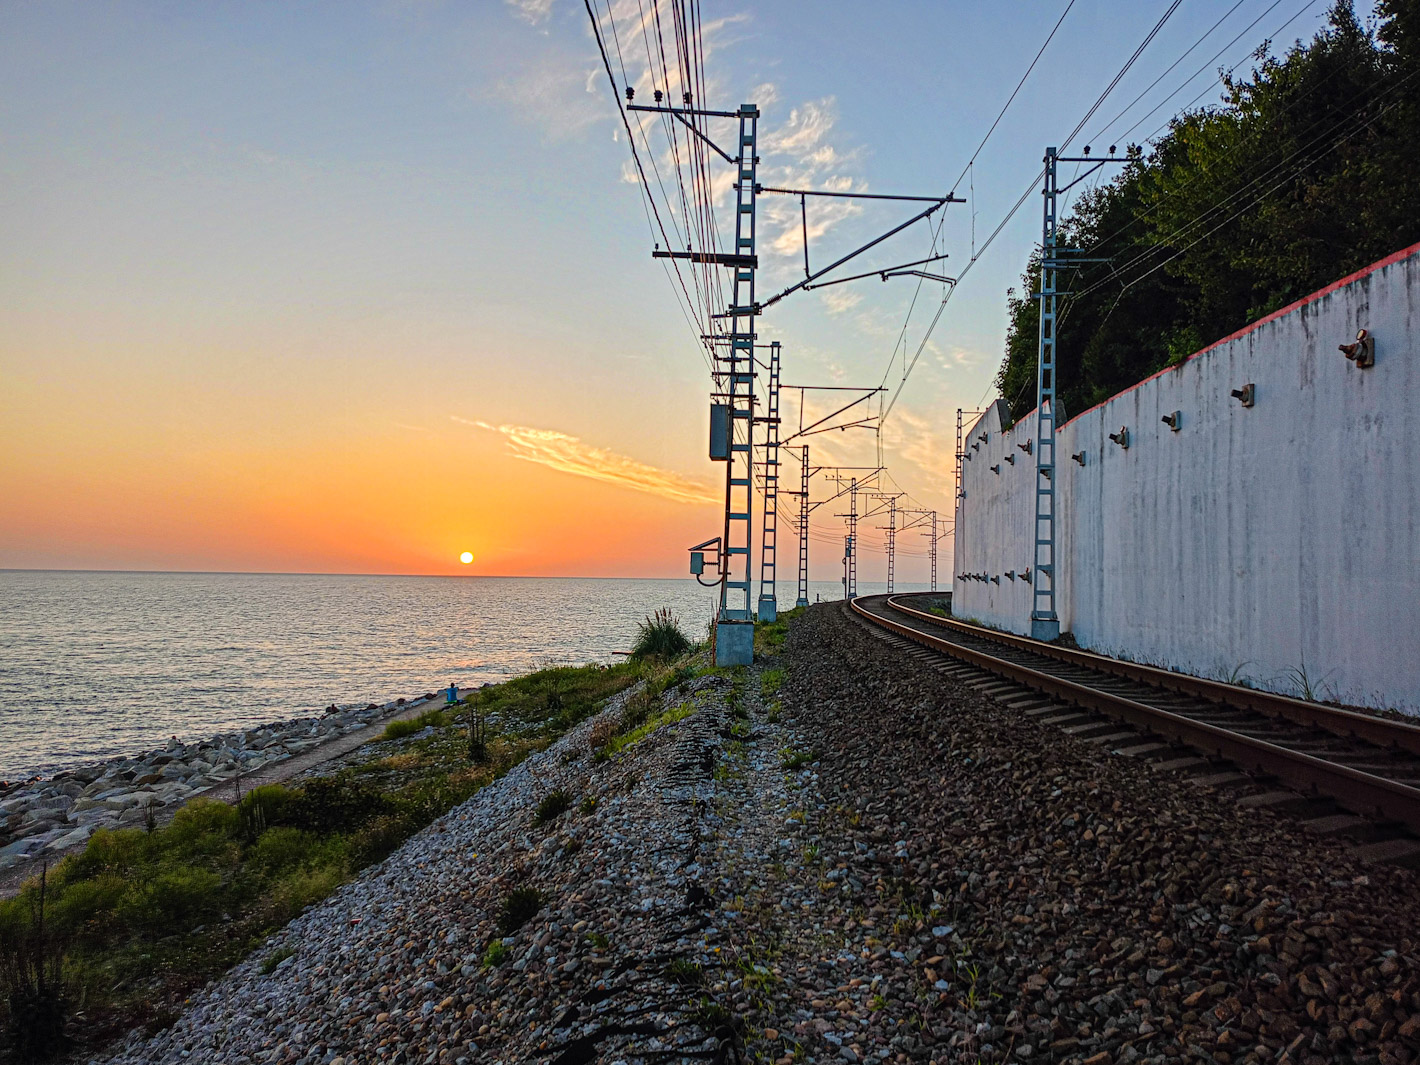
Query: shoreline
[(34, 813)]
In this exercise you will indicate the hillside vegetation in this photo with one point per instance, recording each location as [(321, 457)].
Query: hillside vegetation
[(1304, 173)]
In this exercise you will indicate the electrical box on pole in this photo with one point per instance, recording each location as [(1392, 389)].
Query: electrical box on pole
[(720, 432)]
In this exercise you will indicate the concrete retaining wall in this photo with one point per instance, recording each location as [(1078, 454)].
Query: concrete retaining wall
[(1278, 543)]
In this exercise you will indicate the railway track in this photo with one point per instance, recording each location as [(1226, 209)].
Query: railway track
[(1338, 771)]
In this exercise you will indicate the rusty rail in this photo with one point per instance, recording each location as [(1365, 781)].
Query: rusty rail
[(1356, 790)]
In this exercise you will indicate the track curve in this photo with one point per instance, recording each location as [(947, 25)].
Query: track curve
[(1368, 765)]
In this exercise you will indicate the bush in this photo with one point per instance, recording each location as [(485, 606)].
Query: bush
[(301, 887), (261, 808), (280, 848), (553, 804), (334, 804), (519, 907), (660, 637), (203, 827), (379, 839), (171, 900), (32, 960), (496, 954)]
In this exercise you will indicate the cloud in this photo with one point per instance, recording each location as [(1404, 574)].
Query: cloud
[(559, 94), (839, 300), (568, 454), (534, 12), (929, 446)]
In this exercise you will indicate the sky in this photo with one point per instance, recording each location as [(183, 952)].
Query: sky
[(360, 286)]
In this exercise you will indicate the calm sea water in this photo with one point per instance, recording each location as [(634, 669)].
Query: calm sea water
[(94, 665)]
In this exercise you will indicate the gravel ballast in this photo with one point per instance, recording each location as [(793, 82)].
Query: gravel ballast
[(854, 860)]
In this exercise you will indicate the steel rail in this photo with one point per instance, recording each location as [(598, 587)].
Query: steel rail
[(1346, 723), (1354, 789)]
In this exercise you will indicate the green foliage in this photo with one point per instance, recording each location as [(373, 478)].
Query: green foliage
[(660, 637), (336, 803), (496, 954), (769, 636), (770, 681), (623, 740), (521, 706), (275, 958), (1303, 174), (398, 730), (790, 759), (587, 805), (262, 808), (172, 898), (519, 907), (34, 990), (553, 805)]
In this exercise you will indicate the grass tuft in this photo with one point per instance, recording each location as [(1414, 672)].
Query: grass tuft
[(552, 806), (519, 907), (660, 637)]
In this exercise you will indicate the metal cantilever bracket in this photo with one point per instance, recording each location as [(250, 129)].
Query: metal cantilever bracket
[(699, 563)]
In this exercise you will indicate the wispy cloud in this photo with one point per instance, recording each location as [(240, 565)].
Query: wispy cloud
[(569, 454), (927, 445), (535, 12), (557, 93)]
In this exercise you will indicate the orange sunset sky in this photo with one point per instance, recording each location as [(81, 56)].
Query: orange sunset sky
[(359, 287)]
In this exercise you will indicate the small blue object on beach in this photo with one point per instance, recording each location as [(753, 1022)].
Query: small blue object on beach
[(452, 695)]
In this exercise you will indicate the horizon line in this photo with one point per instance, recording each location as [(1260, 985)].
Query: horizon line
[(334, 573)]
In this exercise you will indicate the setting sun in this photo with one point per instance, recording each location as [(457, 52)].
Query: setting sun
[(466, 557)]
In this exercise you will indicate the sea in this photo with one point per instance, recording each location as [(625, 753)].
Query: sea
[(94, 665)]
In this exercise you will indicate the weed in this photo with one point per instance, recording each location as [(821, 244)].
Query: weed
[(685, 972), (598, 941), (1308, 687), (587, 805), (636, 735), (553, 805), (275, 958), (519, 907), (477, 736), (791, 759), (877, 1002), (709, 1014), (602, 733), (770, 681), (496, 954)]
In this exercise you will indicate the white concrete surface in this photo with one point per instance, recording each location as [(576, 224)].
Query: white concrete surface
[(1278, 543)]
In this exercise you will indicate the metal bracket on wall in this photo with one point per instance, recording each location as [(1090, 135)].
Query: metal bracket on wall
[(1171, 420), (1363, 351), (1246, 394), (1079, 456), (1122, 437)]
